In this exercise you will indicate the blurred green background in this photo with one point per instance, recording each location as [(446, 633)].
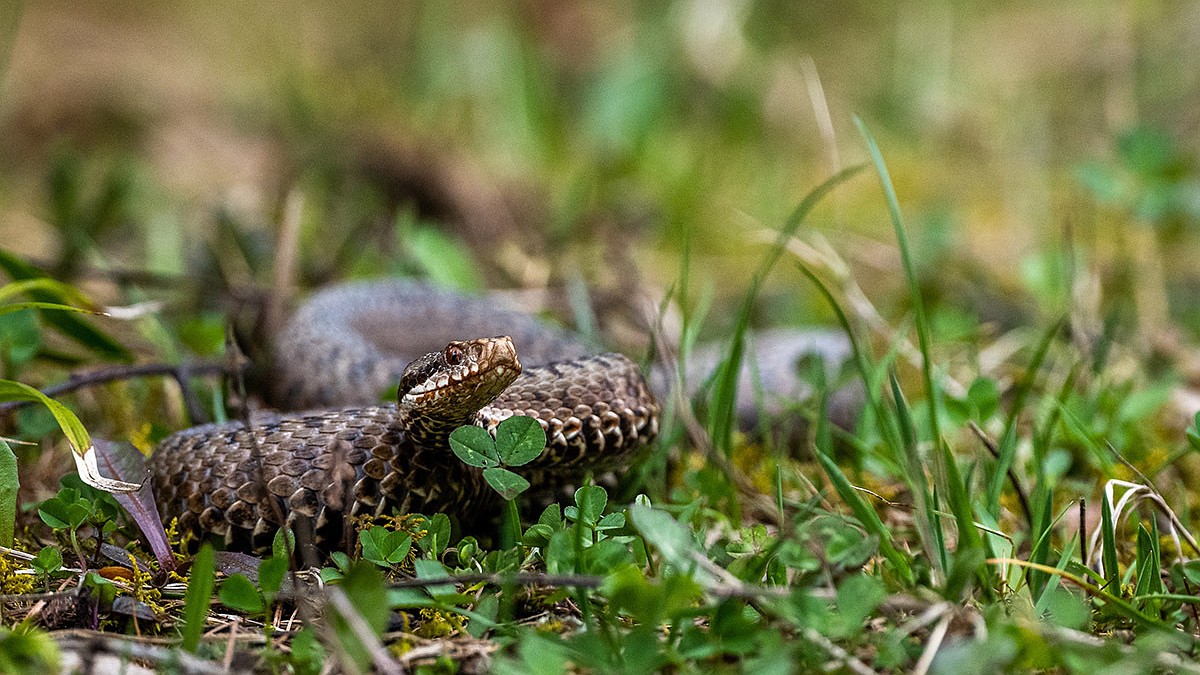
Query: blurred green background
[(539, 144)]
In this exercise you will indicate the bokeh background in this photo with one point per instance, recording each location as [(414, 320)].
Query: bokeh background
[(1042, 151)]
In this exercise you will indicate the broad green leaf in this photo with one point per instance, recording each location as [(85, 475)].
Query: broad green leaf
[(238, 592), (367, 595), (505, 482), (198, 598), (519, 440), (659, 529), (475, 446), (9, 483), (432, 569)]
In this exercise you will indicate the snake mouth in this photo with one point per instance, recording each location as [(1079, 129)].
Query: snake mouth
[(460, 379)]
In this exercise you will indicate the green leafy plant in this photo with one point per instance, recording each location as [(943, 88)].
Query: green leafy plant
[(77, 505), (48, 561), (384, 547), (519, 440), (242, 594)]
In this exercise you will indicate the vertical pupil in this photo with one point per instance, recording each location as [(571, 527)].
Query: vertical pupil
[(453, 356)]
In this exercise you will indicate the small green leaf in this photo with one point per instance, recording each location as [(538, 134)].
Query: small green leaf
[(270, 575), (613, 521), (1191, 570), (238, 592), (432, 569), (103, 590), (48, 560), (664, 532), (474, 446), (537, 535), (383, 546), (984, 396), (519, 440), (505, 482), (591, 500), (437, 535), (198, 598), (284, 543), (308, 656)]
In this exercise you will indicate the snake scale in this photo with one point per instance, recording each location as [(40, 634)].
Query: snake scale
[(316, 471)]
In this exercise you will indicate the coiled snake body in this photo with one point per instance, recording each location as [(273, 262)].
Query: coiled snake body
[(346, 346)]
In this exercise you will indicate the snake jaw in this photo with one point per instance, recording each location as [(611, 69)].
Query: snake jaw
[(451, 385)]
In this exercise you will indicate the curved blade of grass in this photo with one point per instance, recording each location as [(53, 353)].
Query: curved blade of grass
[(1007, 448), (910, 275), (9, 483), (67, 323), (32, 304), (1120, 606), (926, 523), (865, 514), (77, 435), (724, 394), (198, 598), (65, 292)]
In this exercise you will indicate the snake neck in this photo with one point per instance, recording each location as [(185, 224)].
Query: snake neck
[(431, 432)]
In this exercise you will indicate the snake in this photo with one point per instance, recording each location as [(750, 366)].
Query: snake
[(454, 360)]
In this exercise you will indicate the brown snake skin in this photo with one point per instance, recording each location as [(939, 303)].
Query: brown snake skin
[(346, 346)]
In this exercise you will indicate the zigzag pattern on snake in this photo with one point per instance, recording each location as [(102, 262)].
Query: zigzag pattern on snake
[(336, 355)]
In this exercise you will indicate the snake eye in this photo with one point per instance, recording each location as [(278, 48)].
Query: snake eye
[(454, 354)]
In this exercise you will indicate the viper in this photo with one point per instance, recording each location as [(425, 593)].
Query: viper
[(347, 455)]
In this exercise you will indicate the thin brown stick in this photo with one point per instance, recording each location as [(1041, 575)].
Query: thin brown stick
[(1083, 530), (179, 372), (1012, 475)]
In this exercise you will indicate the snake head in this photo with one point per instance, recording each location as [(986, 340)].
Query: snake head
[(454, 383)]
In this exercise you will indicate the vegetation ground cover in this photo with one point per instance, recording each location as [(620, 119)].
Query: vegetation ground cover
[(1009, 251)]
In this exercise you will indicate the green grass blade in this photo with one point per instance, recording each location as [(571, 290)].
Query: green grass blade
[(928, 528), (866, 515), (68, 324), (1108, 537), (914, 290), (33, 304), (1040, 553), (10, 482), (1007, 446), (724, 394), (65, 292), (198, 598)]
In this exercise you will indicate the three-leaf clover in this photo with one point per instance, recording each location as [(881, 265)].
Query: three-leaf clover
[(519, 440)]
